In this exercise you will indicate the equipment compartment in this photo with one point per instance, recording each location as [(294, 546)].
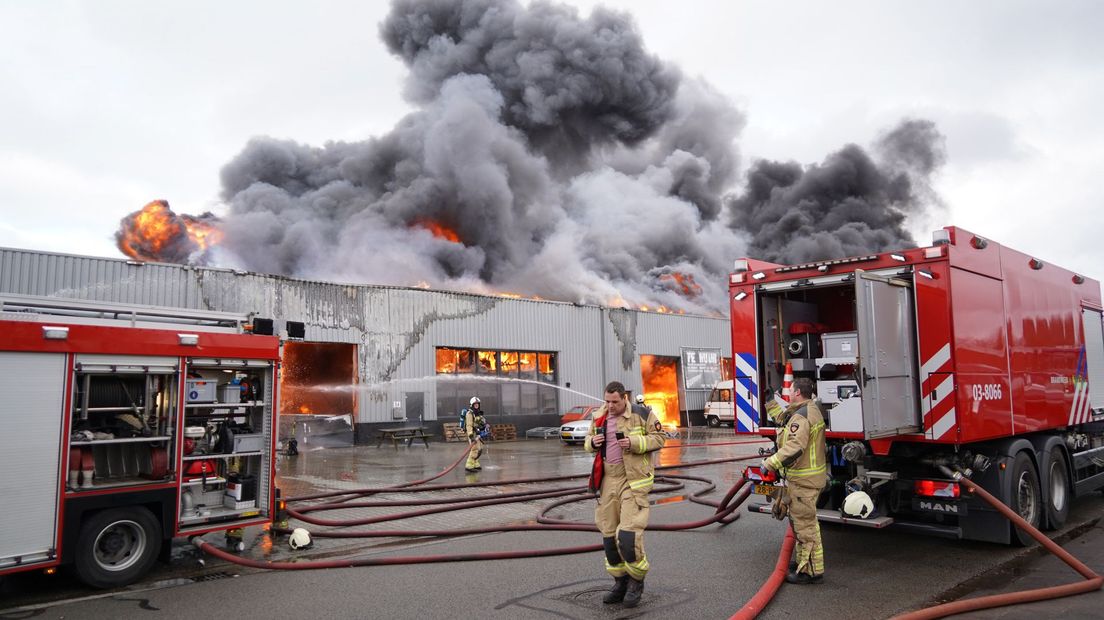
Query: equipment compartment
[(236, 433)]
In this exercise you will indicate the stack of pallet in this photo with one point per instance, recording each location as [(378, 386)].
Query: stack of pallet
[(452, 432), (503, 432), (499, 432)]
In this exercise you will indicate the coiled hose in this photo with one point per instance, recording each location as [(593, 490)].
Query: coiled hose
[(724, 513)]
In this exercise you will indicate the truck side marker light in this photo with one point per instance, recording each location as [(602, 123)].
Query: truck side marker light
[(53, 332), (189, 340), (1035, 264), (979, 242), (1078, 279)]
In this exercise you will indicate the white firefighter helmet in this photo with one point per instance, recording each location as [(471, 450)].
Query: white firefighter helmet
[(300, 538), (474, 399), (858, 505), (640, 399)]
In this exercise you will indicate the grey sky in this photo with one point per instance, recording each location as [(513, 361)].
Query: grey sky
[(108, 105)]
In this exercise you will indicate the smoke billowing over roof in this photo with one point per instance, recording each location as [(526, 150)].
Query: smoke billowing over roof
[(550, 154)]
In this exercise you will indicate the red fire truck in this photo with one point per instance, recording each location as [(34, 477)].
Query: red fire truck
[(126, 427), (965, 354)]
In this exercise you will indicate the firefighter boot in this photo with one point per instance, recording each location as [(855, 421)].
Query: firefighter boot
[(634, 592), (804, 579), (616, 594)]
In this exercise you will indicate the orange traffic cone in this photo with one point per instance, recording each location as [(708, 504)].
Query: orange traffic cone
[(787, 383)]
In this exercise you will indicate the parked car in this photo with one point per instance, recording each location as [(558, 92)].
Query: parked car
[(577, 413), (577, 430)]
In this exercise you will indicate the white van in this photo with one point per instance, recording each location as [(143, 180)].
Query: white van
[(719, 408)]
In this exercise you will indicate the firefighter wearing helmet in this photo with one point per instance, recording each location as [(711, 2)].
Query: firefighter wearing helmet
[(475, 425), (800, 459), (623, 435)]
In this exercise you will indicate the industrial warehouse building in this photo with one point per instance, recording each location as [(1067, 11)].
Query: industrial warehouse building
[(378, 356)]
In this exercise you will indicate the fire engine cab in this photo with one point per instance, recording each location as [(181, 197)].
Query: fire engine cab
[(128, 426), (965, 355)]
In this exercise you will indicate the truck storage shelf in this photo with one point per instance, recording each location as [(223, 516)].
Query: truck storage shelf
[(838, 361), (113, 483), (211, 481), (200, 457), (245, 403), (104, 442), (219, 513)]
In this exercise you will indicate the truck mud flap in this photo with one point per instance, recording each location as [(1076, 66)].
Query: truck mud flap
[(832, 516)]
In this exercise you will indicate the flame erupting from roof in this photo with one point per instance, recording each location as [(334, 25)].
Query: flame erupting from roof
[(438, 230), (156, 233)]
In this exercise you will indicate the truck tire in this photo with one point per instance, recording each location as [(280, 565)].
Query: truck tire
[(1025, 497), (117, 546), (1058, 490), (713, 421)]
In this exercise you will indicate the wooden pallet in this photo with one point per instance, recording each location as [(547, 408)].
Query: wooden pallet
[(452, 432), (503, 432), (499, 432)]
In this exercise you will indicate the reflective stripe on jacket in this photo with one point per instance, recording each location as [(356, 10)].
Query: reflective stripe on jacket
[(801, 448), (645, 435)]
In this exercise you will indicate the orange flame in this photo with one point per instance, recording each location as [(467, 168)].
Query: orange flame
[(438, 230), (660, 379), (156, 233), (682, 284)]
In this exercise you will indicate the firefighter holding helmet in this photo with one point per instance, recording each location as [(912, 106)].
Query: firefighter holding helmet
[(475, 425), (800, 459), (623, 435)]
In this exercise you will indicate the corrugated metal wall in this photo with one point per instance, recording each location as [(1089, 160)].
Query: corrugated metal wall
[(397, 329)]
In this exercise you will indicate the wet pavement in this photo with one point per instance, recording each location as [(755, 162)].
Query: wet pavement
[(708, 572)]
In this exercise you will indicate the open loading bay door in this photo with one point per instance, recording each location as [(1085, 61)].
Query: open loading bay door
[(886, 323)]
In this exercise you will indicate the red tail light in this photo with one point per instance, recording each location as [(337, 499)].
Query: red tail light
[(935, 488), (760, 474)]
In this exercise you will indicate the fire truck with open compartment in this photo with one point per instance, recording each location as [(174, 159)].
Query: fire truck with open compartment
[(126, 427), (965, 354)]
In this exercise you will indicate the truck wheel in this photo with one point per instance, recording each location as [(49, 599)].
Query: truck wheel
[(1058, 493), (713, 421), (1026, 498), (116, 547)]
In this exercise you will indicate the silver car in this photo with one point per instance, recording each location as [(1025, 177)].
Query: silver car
[(577, 431)]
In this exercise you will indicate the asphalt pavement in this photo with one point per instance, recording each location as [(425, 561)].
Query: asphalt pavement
[(705, 573)]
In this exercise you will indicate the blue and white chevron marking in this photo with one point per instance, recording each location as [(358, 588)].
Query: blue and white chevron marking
[(747, 393)]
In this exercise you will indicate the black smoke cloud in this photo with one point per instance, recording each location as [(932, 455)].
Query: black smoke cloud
[(570, 162), (848, 205)]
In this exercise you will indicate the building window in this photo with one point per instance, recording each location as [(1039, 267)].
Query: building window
[(500, 398), (546, 363), (488, 363), (509, 363), (450, 361)]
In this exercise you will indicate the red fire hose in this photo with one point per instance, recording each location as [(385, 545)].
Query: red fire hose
[(1092, 580), (724, 513), (770, 587)]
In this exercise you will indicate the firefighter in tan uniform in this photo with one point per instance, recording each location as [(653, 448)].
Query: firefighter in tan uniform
[(800, 459), (623, 436), (475, 425)]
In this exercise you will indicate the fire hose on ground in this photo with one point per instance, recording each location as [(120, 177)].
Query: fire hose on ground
[(1091, 583), (724, 513)]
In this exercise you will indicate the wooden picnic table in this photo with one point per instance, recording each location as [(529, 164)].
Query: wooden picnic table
[(409, 434)]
